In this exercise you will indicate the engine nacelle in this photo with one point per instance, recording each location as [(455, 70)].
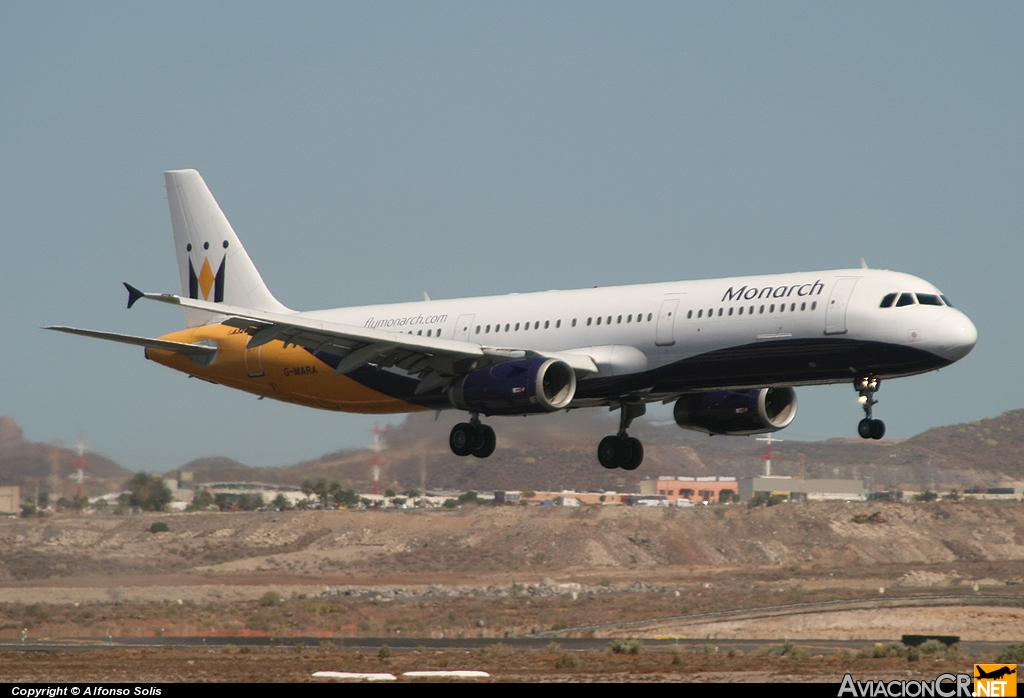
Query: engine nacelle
[(737, 412), (523, 386)]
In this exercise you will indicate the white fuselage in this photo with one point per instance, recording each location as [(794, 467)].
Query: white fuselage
[(631, 330)]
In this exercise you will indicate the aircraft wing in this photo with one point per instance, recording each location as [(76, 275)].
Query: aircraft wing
[(437, 361)]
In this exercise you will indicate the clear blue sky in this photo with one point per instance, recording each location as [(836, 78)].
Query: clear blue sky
[(366, 152)]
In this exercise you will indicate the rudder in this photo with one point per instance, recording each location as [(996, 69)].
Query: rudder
[(212, 262)]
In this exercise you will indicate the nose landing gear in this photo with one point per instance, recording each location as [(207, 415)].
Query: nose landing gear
[(472, 438), (869, 428), (621, 450)]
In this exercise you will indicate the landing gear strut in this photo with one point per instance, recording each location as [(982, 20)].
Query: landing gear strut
[(869, 428), (623, 451), (472, 438)]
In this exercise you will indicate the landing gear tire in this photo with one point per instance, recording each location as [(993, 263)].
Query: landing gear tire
[(636, 454), (877, 428), (487, 442), (608, 452), (463, 439), (864, 428)]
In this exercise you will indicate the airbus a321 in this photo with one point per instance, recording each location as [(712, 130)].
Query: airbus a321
[(727, 352)]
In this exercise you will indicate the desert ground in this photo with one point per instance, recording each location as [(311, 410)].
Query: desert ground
[(800, 572)]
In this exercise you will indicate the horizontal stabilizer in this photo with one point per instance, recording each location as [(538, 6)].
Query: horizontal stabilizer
[(200, 353), (134, 294)]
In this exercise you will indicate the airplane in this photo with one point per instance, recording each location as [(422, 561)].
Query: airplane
[(728, 352)]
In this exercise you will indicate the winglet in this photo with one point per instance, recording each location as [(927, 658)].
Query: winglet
[(134, 294)]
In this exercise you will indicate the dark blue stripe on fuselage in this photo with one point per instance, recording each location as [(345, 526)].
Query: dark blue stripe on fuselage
[(781, 362)]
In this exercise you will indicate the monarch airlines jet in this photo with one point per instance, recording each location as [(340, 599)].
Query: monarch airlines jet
[(728, 352)]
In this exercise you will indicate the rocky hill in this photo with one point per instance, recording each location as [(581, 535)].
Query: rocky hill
[(557, 452), (51, 466), (942, 541)]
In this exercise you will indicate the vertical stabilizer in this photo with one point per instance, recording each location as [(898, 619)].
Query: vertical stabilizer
[(211, 260)]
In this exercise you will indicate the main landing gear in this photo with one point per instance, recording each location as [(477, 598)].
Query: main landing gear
[(869, 428), (472, 438), (623, 451)]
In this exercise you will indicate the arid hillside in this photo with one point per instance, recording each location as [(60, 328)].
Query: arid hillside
[(558, 452), (965, 539), (51, 466)]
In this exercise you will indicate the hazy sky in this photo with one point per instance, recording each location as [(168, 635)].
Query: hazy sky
[(367, 152)]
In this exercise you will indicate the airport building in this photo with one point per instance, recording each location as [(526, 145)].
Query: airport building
[(801, 489), (10, 500), (695, 489)]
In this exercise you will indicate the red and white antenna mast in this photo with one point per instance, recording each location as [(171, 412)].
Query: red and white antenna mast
[(80, 463), (377, 447), (768, 457)]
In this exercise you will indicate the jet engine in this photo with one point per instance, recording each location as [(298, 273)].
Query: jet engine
[(737, 411), (523, 386)]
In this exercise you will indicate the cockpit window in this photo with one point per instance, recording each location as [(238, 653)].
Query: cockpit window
[(928, 299), (946, 301), (905, 299), (887, 301)]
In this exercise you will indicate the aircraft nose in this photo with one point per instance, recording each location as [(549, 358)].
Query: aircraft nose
[(956, 336)]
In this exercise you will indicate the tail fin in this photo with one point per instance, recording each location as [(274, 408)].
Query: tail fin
[(211, 260)]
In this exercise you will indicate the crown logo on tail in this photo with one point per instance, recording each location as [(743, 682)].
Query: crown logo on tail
[(205, 280)]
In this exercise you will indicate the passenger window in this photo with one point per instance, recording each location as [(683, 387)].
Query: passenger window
[(905, 299), (420, 333), (689, 314), (814, 305), (719, 312), (803, 306), (792, 307), (428, 332), (648, 317), (574, 322), (487, 330), (741, 310), (517, 327), (761, 310), (619, 320), (598, 319), (526, 326), (478, 329), (588, 321), (609, 319), (730, 312), (782, 307), (888, 300), (928, 299), (558, 323), (536, 325), (700, 313), (751, 311), (771, 308)]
